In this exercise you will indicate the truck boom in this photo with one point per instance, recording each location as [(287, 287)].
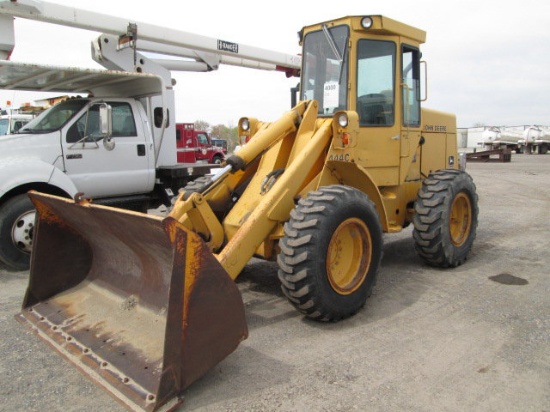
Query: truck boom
[(151, 37)]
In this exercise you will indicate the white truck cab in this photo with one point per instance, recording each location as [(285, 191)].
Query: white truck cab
[(67, 150), (67, 137), (11, 123)]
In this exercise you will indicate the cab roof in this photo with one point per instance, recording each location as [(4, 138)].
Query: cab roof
[(380, 25)]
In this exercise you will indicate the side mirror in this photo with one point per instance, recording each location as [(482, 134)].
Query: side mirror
[(105, 120), (106, 125)]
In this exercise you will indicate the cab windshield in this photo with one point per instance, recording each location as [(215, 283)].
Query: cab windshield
[(325, 68), (56, 117)]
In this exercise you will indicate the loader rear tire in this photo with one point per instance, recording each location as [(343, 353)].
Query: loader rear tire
[(330, 253), (446, 216), (17, 217)]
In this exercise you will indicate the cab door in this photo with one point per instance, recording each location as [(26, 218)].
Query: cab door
[(379, 143), (101, 171), (410, 104)]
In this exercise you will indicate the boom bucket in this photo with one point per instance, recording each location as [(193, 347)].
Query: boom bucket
[(137, 302)]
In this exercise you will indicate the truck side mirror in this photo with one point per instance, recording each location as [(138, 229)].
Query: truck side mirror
[(106, 125), (159, 117), (105, 120)]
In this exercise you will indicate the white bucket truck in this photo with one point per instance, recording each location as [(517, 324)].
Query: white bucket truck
[(117, 143)]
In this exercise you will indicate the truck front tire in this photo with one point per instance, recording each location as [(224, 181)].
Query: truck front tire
[(16, 232)]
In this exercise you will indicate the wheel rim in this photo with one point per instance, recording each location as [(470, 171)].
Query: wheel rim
[(349, 256), (461, 219), (22, 231)]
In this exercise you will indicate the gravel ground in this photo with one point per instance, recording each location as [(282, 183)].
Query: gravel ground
[(472, 338)]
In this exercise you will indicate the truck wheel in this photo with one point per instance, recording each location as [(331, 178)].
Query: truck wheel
[(330, 253), (217, 160), (16, 231), (543, 149), (445, 221)]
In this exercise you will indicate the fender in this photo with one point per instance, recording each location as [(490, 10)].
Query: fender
[(28, 170), (336, 172)]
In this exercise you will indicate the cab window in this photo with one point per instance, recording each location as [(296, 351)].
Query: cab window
[(202, 138), (411, 86), (325, 68), (123, 120), (375, 82), (86, 128)]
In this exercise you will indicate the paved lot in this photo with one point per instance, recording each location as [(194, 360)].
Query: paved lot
[(474, 338)]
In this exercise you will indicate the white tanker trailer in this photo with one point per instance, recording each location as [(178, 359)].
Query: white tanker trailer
[(538, 141), (524, 141), (494, 138)]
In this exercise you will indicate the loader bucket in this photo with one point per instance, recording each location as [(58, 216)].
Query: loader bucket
[(137, 302)]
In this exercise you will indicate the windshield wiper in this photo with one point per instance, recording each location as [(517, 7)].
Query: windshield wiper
[(335, 50), (332, 43)]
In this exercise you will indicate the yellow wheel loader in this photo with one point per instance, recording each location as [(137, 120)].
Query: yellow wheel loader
[(146, 305)]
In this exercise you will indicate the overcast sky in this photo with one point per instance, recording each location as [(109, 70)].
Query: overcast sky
[(488, 60)]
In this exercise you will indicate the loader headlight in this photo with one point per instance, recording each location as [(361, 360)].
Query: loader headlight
[(343, 120), (245, 124), (366, 22)]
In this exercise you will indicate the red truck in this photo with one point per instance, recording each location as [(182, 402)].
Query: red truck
[(195, 146)]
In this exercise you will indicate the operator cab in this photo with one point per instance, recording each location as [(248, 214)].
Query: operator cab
[(350, 64)]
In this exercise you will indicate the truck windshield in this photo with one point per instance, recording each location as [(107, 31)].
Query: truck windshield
[(55, 117), (325, 71)]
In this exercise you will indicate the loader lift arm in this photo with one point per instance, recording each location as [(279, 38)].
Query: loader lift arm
[(307, 141)]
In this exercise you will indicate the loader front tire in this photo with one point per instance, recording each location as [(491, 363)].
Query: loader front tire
[(445, 220), (16, 232), (330, 253)]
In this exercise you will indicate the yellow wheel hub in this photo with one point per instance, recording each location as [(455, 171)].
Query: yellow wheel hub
[(461, 219), (349, 256)]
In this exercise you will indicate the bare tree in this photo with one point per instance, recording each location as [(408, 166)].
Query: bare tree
[(202, 125)]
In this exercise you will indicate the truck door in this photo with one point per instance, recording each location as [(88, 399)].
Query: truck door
[(185, 143), (203, 147), (127, 168)]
